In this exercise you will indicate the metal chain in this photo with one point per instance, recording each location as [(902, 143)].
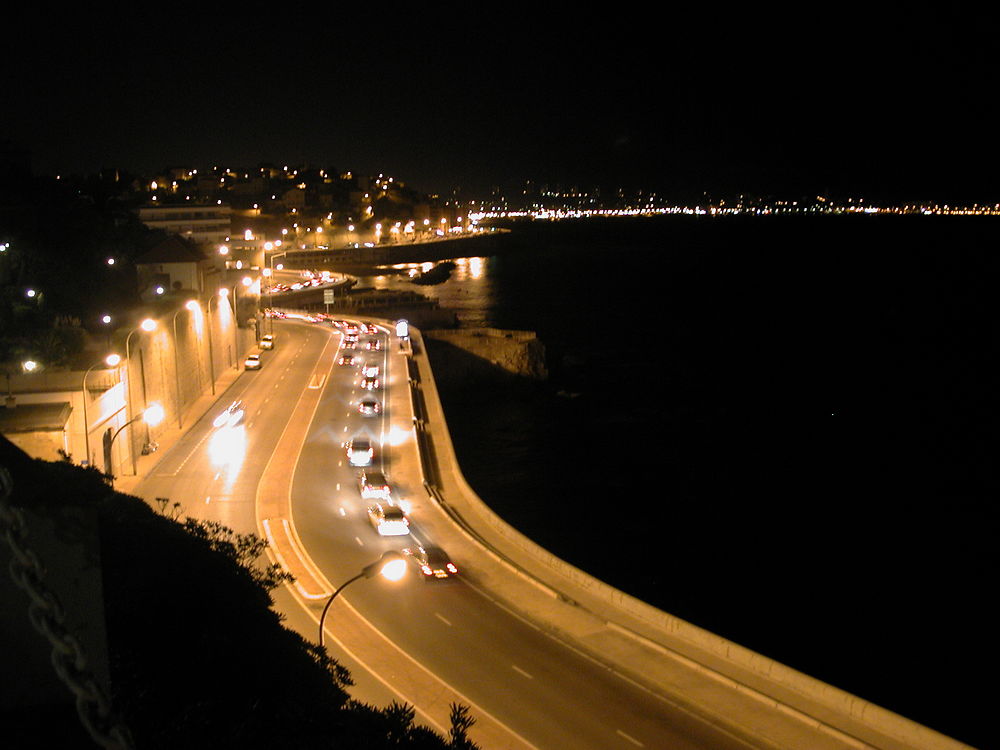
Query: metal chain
[(47, 616)]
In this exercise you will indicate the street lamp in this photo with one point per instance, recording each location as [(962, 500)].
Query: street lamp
[(211, 352), (112, 360), (147, 325), (236, 327), (190, 306), (152, 415), (106, 320), (392, 567)]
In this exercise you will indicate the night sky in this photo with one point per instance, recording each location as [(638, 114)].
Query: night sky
[(848, 103)]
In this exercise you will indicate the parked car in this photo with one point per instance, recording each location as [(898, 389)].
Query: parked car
[(252, 362), (267, 341)]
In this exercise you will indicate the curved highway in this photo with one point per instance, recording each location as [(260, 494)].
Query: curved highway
[(525, 688), (537, 670)]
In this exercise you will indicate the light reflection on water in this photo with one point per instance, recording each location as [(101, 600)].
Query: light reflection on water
[(469, 290)]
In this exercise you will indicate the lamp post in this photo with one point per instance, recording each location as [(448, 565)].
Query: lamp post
[(268, 280), (147, 325), (152, 415), (112, 360), (211, 352), (236, 327), (391, 565), (189, 306)]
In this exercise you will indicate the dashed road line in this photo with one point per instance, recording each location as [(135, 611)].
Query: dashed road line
[(631, 739)]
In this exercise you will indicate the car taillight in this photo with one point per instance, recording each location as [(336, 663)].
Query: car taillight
[(425, 569), (452, 568)]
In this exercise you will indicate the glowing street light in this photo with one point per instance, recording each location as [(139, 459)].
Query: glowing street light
[(152, 415), (190, 306), (391, 566), (112, 360), (146, 325)]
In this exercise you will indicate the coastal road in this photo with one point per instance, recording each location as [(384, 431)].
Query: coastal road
[(428, 644)]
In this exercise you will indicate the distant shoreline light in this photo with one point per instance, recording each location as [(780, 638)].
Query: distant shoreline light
[(555, 214)]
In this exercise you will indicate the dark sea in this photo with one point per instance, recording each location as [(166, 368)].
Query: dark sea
[(782, 429)]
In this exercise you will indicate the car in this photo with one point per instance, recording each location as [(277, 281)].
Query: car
[(351, 337), (252, 362), (360, 452), (370, 384), (349, 344), (388, 520), (432, 561), (370, 369), (347, 359), (369, 328), (373, 345), (232, 416), (351, 330), (267, 341), (369, 407), (374, 486)]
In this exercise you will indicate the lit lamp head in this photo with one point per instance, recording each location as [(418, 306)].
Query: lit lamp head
[(148, 325), (391, 566), (112, 360), (153, 415)]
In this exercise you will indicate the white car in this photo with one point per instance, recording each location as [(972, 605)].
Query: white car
[(232, 416), (360, 452), (252, 362), (370, 370), (374, 486), (388, 520), (267, 341)]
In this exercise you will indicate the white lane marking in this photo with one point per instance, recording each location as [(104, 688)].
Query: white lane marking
[(358, 540), (521, 671), (342, 511), (633, 740), (208, 499), (442, 618), (338, 486)]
